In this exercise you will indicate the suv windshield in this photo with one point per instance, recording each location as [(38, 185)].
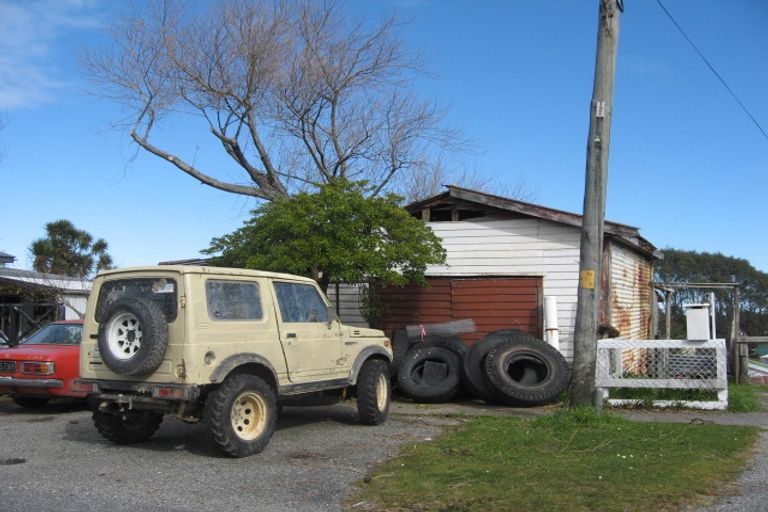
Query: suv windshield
[(56, 334)]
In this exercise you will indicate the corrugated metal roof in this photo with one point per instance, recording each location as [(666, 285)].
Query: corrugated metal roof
[(629, 235), (29, 277)]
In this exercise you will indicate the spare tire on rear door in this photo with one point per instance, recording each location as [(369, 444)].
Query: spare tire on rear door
[(134, 336)]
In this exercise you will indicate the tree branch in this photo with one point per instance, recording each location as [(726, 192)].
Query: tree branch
[(202, 177)]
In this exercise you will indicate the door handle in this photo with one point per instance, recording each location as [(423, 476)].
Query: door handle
[(291, 335)]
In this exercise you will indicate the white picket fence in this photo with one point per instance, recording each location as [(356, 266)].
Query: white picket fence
[(664, 364)]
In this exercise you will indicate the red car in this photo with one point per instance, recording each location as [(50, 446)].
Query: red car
[(43, 365)]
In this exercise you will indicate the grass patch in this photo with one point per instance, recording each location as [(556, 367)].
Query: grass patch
[(575, 459), (744, 398), (741, 397)]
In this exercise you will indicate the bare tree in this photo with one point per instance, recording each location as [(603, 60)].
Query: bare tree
[(425, 183), (295, 93)]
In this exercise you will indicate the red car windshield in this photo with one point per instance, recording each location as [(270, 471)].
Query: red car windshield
[(56, 334)]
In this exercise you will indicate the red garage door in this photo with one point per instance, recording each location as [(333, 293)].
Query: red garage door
[(492, 302)]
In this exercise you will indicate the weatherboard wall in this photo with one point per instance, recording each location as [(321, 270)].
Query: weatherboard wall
[(346, 300), (491, 302), (526, 247)]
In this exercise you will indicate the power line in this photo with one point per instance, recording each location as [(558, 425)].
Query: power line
[(722, 81)]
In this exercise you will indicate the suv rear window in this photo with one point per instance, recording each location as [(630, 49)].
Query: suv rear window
[(162, 291), (233, 300)]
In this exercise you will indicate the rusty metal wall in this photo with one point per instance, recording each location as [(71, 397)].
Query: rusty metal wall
[(492, 302), (630, 293)]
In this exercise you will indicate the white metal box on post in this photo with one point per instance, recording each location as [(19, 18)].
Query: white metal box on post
[(697, 321)]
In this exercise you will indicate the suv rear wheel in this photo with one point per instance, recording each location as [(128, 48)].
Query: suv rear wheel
[(242, 414), (31, 402), (127, 427)]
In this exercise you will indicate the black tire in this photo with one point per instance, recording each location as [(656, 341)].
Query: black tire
[(451, 342), (374, 392), (400, 347), (241, 415), (442, 387), (134, 337), (127, 427), (509, 366), (474, 371), (30, 402)]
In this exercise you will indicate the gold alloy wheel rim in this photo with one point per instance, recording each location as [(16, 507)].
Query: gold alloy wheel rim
[(382, 392), (249, 416)]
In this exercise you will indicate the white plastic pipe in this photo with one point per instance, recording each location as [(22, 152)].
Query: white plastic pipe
[(551, 329)]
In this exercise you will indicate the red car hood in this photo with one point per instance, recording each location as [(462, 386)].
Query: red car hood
[(37, 352)]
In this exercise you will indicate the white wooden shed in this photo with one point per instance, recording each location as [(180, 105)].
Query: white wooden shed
[(29, 299), (504, 257)]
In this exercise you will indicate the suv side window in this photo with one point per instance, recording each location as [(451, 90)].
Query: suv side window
[(300, 303), (233, 300)]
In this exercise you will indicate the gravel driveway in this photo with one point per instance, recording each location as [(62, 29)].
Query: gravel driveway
[(53, 459), (750, 493)]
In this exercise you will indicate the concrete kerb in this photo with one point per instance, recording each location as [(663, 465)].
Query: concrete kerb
[(467, 408), (478, 408), (754, 419)]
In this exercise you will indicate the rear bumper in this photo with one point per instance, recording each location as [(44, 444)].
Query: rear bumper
[(149, 392), (31, 383)]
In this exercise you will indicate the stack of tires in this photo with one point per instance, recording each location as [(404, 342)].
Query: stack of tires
[(507, 366)]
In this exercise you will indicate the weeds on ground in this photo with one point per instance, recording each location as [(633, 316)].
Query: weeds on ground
[(575, 459), (741, 397)]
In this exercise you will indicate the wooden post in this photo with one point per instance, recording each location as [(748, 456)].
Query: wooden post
[(587, 310), (734, 338), (743, 348), (668, 319), (653, 329)]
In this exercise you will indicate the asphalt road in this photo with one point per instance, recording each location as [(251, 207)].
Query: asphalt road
[(54, 459)]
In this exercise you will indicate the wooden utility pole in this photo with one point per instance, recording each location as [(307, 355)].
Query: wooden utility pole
[(587, 311)]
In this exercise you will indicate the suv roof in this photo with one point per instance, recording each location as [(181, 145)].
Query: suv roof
[(194, 269)]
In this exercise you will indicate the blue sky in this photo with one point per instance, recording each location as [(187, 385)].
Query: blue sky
[(687, 166)]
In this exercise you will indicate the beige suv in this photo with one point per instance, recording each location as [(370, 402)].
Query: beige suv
[(225, 345)]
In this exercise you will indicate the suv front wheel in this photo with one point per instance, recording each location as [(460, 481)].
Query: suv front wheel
[(242, 414), (373, 392)]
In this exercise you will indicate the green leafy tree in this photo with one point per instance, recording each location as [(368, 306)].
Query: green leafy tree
[(69, 251), (336, 234), (680, 266)]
